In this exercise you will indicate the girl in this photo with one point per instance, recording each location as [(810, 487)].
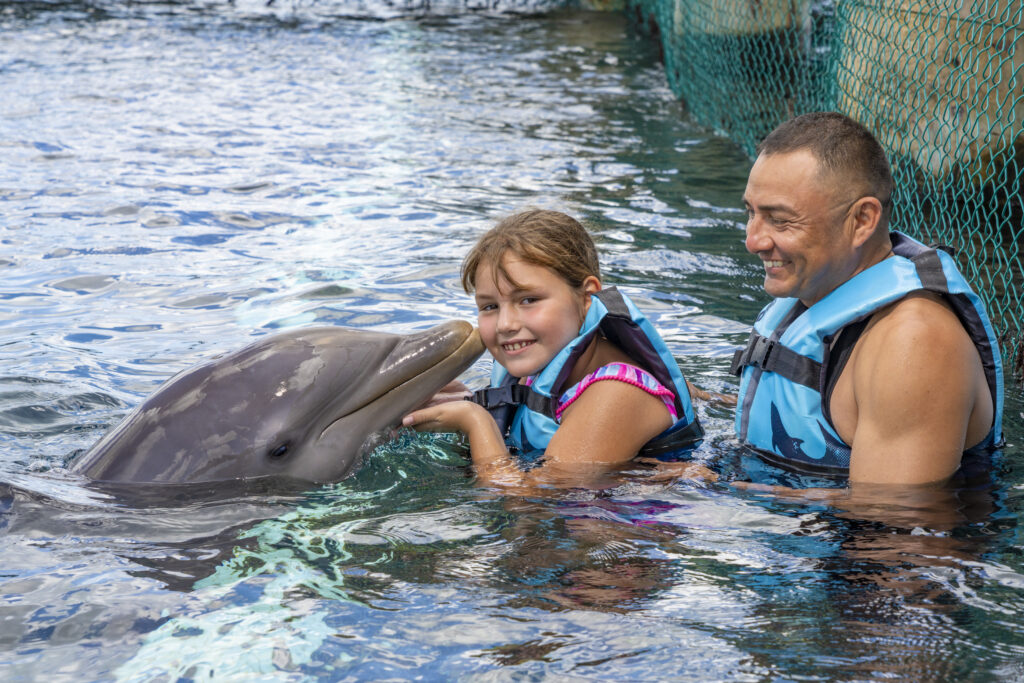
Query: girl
[(580, 376)]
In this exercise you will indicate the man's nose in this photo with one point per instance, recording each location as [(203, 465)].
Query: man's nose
[(757, 239)]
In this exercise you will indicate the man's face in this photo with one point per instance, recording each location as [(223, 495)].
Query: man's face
[(797, 226)]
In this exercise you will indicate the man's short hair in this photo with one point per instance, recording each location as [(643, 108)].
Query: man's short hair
[(843, 147)]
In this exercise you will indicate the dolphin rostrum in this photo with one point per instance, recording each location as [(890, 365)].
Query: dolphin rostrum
[(301, 404)]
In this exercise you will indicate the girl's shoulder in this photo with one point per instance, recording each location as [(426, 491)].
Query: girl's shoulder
[(618, 371)]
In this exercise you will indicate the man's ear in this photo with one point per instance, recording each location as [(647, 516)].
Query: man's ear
[(865, 214)]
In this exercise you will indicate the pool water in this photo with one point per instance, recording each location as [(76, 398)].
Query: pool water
[(179, 178)]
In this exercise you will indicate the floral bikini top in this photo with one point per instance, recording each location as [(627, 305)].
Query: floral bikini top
[(619, 372)]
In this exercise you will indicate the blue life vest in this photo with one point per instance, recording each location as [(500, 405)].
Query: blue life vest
[(526, 414), (790, 365)]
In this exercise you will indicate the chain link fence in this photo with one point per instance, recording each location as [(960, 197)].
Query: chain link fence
[(939, 82)]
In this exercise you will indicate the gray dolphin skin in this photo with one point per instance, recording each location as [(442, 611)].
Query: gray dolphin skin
[(300, 404)]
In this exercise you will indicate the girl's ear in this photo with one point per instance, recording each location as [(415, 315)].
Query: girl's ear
[(590, 286)]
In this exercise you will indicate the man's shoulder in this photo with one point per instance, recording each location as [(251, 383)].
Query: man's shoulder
[(921, 324), (915, 394), (916, 312)]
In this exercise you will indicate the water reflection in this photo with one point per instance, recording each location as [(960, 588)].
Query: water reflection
[(582, 557), (891, 588), (181, 177)]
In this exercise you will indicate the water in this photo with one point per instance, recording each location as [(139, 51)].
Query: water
[(179, 178)]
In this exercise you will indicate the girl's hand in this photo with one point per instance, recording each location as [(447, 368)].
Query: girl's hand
[(453, 391), (445, 415), (486, 445)]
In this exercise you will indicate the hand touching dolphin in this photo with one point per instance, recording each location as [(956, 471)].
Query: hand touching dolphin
[(300, 404)]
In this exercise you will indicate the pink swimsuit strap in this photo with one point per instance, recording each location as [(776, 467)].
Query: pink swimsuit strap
[(619, 372)]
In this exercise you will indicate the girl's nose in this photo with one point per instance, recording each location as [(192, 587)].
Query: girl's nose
[(508, 319)]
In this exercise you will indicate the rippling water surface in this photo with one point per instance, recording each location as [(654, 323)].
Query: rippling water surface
[(177, 179)]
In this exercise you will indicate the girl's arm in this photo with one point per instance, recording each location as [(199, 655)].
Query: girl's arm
[(493, 462), (728, 400), (602, 430), (605, 427)]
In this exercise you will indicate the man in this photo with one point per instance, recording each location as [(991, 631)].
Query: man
[(876, 360)]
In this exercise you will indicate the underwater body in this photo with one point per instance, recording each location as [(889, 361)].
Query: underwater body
[(182, 179)]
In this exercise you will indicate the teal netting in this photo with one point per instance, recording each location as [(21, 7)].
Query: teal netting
[(939, 82)]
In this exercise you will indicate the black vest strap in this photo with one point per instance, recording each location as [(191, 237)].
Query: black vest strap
[(611, 297), (513, 394), (673, 441), (496, 397), (836, 357), (771, 356), (621, 330), (540, 404), (925, 259), (929, 270)]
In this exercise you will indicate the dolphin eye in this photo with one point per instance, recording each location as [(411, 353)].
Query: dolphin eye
[(279, 451)]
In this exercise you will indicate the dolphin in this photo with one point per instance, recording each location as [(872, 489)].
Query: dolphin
[(299, 405)]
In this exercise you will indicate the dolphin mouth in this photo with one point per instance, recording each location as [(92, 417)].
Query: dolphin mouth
[(348, 433), (419, 385)]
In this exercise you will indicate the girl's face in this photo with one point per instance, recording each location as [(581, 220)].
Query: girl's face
[(524, 327)]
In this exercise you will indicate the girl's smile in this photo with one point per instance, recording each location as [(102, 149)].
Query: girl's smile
[(514, 347), (528, 317)]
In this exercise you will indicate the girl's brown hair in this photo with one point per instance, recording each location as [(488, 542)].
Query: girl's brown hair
[(544, 238)]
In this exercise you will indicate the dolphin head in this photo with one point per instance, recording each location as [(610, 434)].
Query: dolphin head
[(300, 404)]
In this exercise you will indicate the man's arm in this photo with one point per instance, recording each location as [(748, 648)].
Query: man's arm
[(917, 383), (915, 375)]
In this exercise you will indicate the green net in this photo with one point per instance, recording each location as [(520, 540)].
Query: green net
[(939, 82)]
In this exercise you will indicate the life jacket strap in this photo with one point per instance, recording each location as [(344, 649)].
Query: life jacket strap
[(772, 356), (612, 299), (513, 394), (674, 440), (496, 397), (929, 270)]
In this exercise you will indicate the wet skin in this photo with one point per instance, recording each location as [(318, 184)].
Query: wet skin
[(797, 224), (913, 393), (525, 322), (299, 405)]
